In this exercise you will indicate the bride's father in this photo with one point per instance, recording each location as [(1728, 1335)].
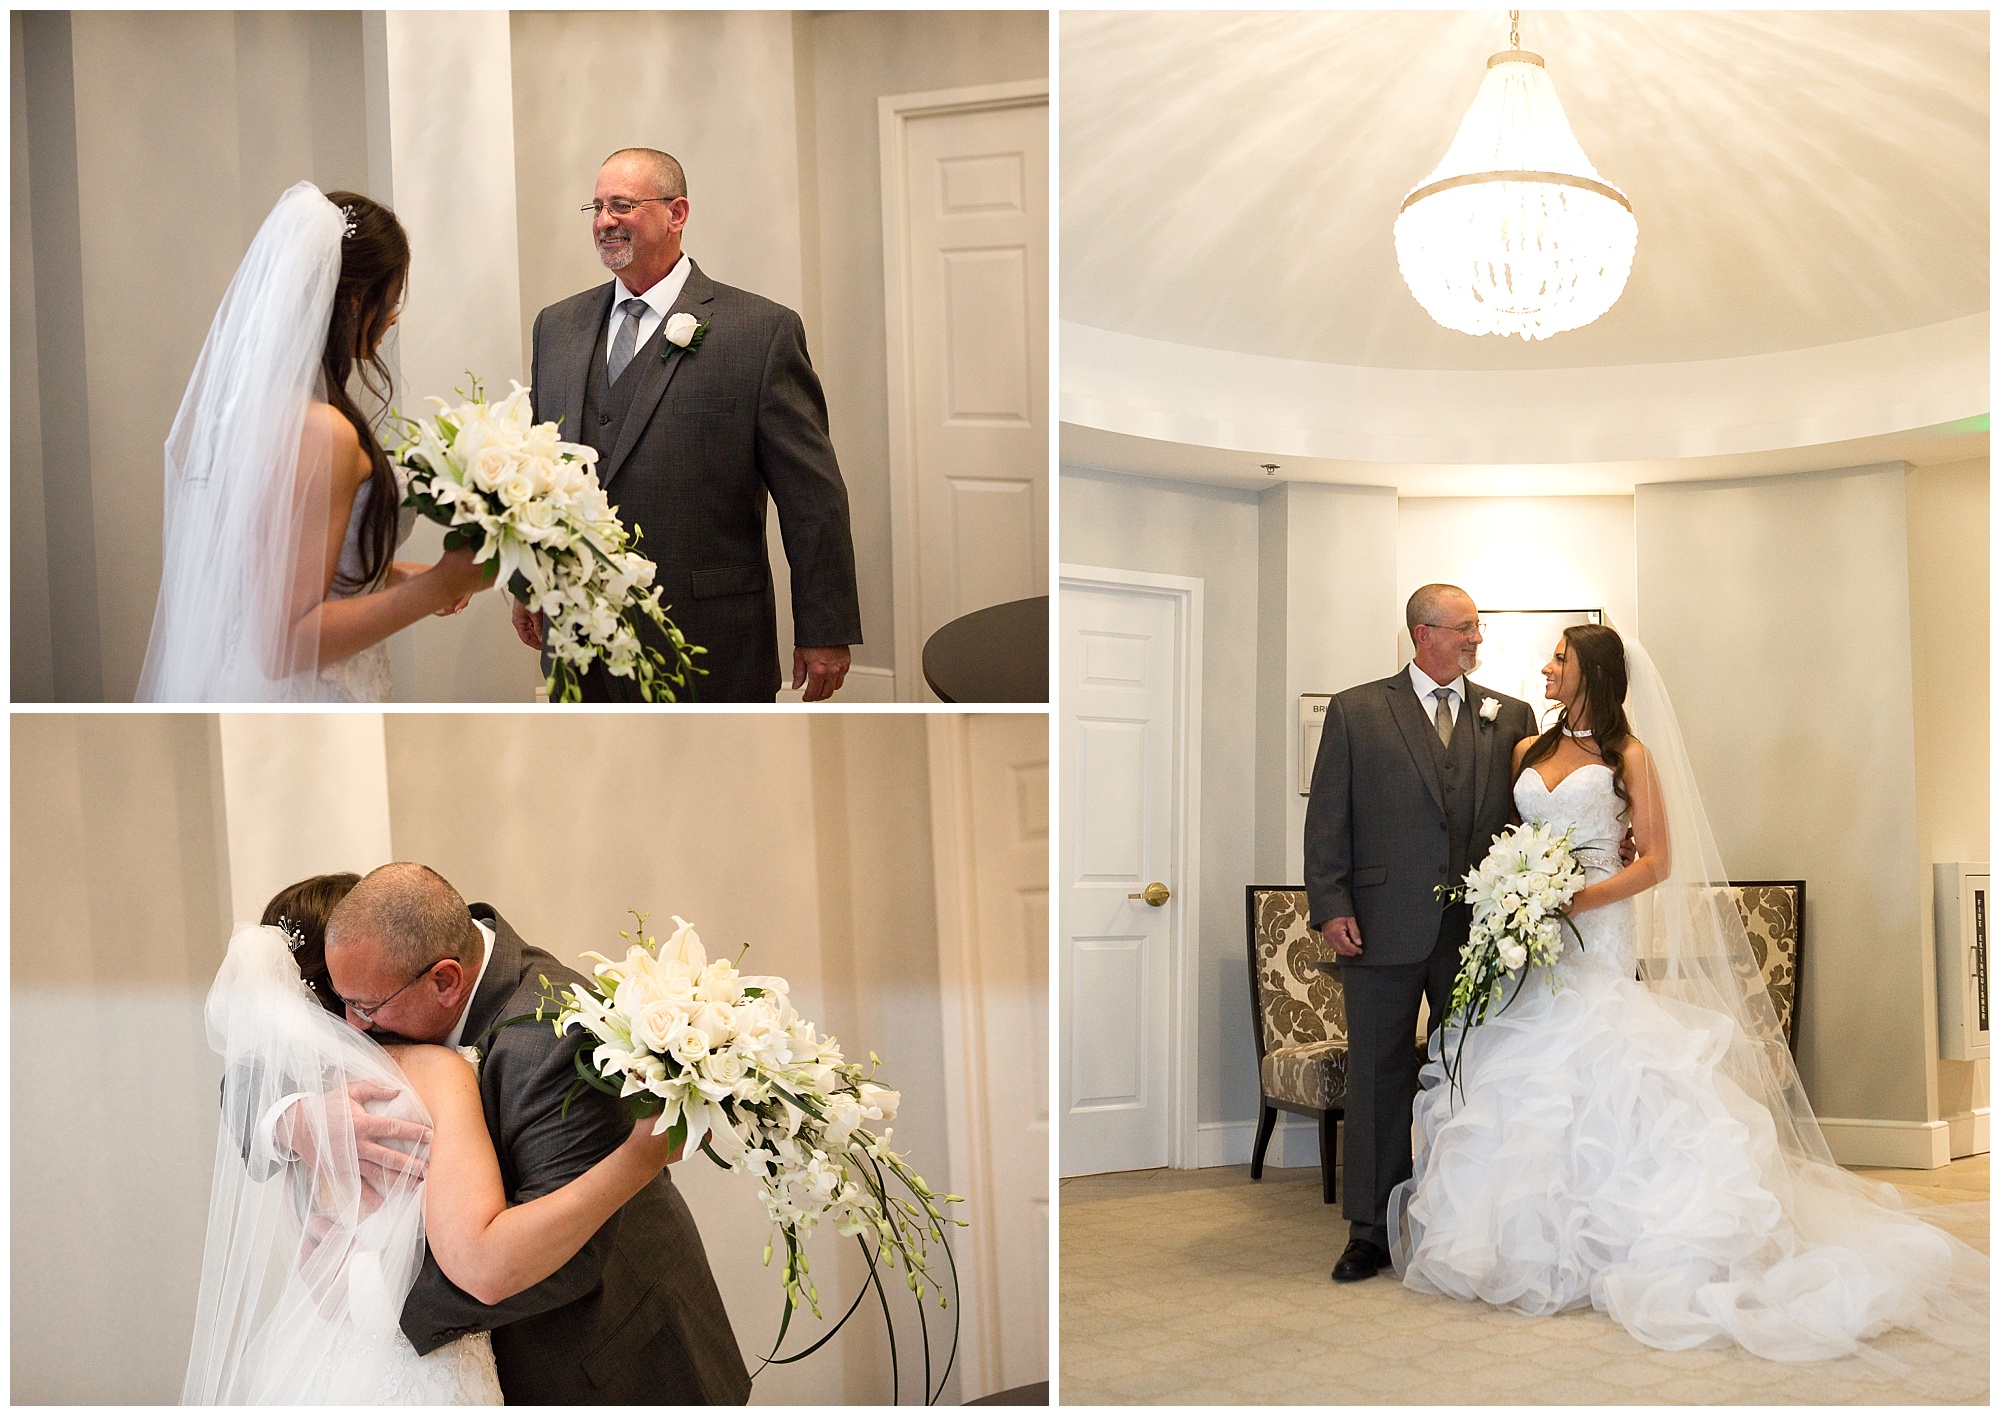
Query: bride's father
[(1410, 786), (635, 1317), (693, 435)]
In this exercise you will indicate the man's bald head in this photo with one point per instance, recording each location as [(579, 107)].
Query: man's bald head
[(409, 912), (1437, 604), (664, 167)]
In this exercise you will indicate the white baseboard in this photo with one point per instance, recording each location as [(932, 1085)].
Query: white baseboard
[(863, 684), (1971, 1132), (1897, 1145), (1294, 1143)]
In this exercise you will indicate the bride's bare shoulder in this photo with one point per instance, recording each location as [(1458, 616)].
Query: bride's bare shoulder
[(330, 427), (430, 1067)]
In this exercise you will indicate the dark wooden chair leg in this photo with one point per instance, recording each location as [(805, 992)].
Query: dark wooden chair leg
[(1329, 1134), (1265, 1124)]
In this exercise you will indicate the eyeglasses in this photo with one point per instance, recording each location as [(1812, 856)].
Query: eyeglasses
[(367, 1014), (622, 206), (1479, 625)]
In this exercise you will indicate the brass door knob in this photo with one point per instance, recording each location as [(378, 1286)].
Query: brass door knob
[(1154, 894)]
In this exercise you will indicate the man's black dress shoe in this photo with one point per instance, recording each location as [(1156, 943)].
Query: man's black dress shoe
[(1360, 1260)]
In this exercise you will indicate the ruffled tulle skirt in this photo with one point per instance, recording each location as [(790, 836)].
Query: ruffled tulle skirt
[(1596, 1156)]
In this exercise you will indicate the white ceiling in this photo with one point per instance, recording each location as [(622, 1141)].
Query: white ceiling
[(1802, 181), (1232, 180)]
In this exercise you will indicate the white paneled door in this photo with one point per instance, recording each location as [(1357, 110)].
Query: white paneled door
[(1122, 661), (990, 829), (966, 219)]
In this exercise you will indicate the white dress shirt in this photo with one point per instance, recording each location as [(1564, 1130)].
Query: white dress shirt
[(659, 300), (1425, 686), (453, 1038)]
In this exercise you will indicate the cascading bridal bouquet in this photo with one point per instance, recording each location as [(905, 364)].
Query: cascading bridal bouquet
[(729, 1068), (1520, 896), (531, 504)]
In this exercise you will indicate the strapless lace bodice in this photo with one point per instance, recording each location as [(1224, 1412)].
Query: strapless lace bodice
[(363, 677), (1586, 805)]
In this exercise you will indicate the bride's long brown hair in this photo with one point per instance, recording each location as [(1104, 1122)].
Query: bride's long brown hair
[(301, 911), (374, 267), (1600, 655)]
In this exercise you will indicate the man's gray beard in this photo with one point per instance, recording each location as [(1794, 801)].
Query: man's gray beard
[(1468, 662), (615, 262)]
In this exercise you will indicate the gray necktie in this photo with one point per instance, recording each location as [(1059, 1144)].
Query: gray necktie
[(1443, 696), (627, 341)]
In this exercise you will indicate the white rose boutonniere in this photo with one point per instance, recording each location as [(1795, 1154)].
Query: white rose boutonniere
[(683, 332), (471, 1054), (1489, 709)]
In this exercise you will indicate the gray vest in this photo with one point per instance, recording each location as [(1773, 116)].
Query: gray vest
[(605, 404), (1454, 766)]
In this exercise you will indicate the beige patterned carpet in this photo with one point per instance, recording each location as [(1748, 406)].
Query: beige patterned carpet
[(1183, 1287)]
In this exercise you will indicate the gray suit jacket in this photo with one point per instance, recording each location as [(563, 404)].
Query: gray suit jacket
[(635, 1317), (1375, 844), (710, 432)]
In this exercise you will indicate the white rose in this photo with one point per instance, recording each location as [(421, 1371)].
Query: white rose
[(516, 488), (681, 328), (726, 1067), (688, 1047), (718, 1020), (490, 465), (1489, 709), (654, 1022)]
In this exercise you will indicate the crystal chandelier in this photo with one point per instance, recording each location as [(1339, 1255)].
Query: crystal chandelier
[(1514, 232)]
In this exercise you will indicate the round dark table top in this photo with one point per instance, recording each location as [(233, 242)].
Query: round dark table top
[(995, 655)]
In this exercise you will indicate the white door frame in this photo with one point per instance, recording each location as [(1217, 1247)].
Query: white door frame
[(969, 1123), (896, 111), (1184, 844)]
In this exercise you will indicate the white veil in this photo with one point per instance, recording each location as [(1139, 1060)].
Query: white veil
[(305, 1265), (1859, 1244), (247, 485)]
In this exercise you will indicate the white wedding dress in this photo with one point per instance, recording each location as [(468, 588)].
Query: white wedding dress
[(306, 1270), (363, 677), (1600, 1155)]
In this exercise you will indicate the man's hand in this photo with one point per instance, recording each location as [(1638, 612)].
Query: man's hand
[(526, 625), (380, 1162), (1628, 848), (652, 1151), (1342, 934), (820, 671)]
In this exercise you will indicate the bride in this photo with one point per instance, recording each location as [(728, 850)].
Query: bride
[(278, 579), (310, 1257), (1648, 1150)]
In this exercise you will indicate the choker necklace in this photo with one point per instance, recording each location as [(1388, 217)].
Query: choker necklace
[(1572, 732)]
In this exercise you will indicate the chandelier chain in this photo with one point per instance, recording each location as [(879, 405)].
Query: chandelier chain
[(1514, 29)]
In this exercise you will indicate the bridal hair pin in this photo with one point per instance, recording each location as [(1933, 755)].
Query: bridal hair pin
[(295, 938), (347, 230)]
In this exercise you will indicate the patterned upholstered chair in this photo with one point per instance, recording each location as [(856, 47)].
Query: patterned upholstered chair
[(1774, 913), (1301, 1024)]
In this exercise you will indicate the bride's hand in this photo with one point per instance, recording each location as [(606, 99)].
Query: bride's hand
[(649, 1148), (459, 579)]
